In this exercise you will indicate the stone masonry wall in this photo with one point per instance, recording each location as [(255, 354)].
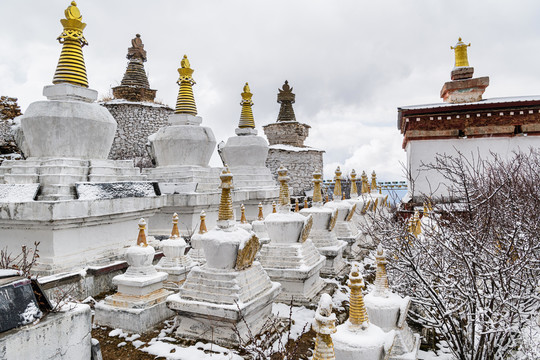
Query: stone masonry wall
[(136, 121), (301, 165), (289, 133)]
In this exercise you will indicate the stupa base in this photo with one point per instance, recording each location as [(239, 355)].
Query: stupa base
[(335, 263)]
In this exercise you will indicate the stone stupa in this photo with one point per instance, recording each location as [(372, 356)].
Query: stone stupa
[(291, 258), (231, 289)]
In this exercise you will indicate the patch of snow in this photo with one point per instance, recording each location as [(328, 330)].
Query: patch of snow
[(123, 343), (133, 337), (114, 190), (30, 314), (292, 148), (9, 272), (301, 318), (118, 332), (138, 343), (196, 352), (486, 101), (18, 192), (143, 103)]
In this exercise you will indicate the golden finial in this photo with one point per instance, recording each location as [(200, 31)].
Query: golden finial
[(185, 103), (337, 185), (296, 205), (317, 193), (246, 116), (415, 227), (260, 216), (71, 68), (225, 205), (326, 199), (243, 219), (202, 226), (141, 239), (460, 53), (358, 316), (381, 278), (380, 189), (373, 182), (306, 205), (365, 185), (354, 188), (324, 325), (175, 233), (274, 207), (284, 197)]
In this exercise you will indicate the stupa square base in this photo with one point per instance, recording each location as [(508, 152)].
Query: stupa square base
[(411, 355), (134, 320), (335, 263), (352, 250), (213, 322), (303, 287)]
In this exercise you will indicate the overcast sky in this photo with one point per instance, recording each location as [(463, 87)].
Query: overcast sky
[(351, 63)]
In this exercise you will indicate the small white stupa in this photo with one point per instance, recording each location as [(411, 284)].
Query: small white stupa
[(259, 227), (345, 229), (322, 234), (246, 154), (175, 262), (357, 339), (139, 304), (197, 252), (389, 311), (324, 326), (291, 258), (231, 289)]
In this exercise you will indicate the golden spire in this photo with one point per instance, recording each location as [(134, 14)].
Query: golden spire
[(358, 316), (296, 205), (246, 116), (141, 239), (354, 188), (326, 199), (317, 194), (71, 68), (381, 278), (460, 53), (284, 197), (337, 185), (415, 227), (373, 182), (243, 219), (175, 233), (365, 186), (306, 205), (260, 216), (225, 205), (202, 226), (324, 325), (274, 207), (185, 103)]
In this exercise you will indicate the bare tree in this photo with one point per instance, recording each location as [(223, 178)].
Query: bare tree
[(473, 273)]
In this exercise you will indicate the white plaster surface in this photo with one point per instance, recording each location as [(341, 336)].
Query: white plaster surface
[(369, 344), (134, 320), (65, 335)]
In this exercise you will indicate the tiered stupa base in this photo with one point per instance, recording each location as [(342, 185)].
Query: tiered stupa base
[(213, 302), (177, 269), (297, 267), (364, 344), (345, 233), (330, 248)]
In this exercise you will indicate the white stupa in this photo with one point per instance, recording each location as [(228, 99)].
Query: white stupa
[(231, 289), (291, 258), (322, 234)]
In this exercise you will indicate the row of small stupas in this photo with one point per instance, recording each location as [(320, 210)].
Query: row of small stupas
[(138, 116), (464, 124)]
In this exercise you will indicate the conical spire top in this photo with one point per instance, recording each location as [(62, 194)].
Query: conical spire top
[(260, 215), (354, 188), (365, 185), (374, 188), (246, 116), (225, 206), (284, 196), (460, 53), (296, 205), (175, 233), (381, 278), (243, 219), (317, 192), (274, 205), (286, 97), (202, 226), (141, 239), (358, 316), (71, 68), (185, 103), (337, 185)]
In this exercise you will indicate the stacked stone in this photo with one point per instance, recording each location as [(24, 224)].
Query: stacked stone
[(286, 138)]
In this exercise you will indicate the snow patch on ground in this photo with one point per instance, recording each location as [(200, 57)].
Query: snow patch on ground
[(30, 314)]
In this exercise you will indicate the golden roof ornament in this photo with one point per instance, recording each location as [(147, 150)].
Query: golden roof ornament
[(354, 188), (185, 103), (358, 317), (337, 185), (202, 225), (286, 97), (243, 219), (365, 185), (274, 207), (260, 216), (373, 182), (296, 205), (317, 193), (225, 206), (324, 325), (141, 239), (460, 53), (306, 205), (71, 68), (284, 196), (381, 277), (175, 233), (246, 116)]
